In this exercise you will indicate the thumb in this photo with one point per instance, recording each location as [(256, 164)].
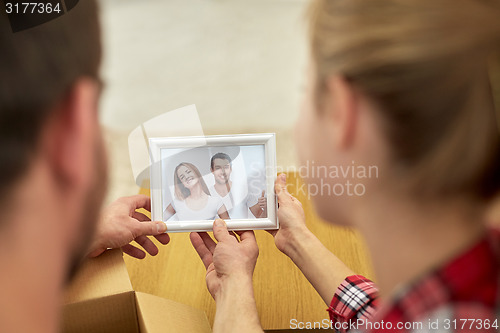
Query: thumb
[(152, 228), (280, 188), (263, 193), (220, 230)]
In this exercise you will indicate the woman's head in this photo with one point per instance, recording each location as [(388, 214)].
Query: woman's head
[(421, 68), (186, 177)]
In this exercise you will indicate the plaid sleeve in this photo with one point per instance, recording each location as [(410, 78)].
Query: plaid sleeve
[(355, 298)]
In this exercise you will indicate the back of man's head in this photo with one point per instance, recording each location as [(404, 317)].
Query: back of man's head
[(52, 166), (37, 69)]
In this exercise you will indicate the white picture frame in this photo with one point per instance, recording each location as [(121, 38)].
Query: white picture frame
[(254, 153)]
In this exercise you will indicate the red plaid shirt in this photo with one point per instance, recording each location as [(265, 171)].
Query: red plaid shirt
[(461, 296)]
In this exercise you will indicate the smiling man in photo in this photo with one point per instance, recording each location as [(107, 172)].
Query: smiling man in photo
[(237, 203)]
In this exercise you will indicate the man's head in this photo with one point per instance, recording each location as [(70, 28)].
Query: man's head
[(50, 143), (220, 165)]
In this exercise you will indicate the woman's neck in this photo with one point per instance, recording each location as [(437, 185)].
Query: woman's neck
[(196, 192), (407, 240)]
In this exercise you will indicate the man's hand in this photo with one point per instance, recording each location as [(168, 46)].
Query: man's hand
[(291, 217), (230, 264), (227, 260), (120, 224)]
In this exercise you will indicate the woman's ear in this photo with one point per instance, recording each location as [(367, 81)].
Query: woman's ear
[(342, 111)]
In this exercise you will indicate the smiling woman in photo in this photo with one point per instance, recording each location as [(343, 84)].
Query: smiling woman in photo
[(192, 198)]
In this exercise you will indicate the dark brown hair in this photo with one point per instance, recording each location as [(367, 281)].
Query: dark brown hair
[(425, 65), (37, 69), (222, 156)]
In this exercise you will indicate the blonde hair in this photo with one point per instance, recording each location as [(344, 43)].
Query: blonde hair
[(424, 63), (181, 192)]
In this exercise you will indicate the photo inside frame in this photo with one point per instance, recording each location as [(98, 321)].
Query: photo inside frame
[(198, 184)]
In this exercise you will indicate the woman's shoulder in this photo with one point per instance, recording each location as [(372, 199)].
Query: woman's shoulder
[(176, 202), (493, 238), (454, 315), (495, 232)]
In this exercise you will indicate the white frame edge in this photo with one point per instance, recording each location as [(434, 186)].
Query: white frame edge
[(266, 139)]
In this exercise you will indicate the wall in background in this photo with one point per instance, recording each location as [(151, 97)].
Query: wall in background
[(241, 62)]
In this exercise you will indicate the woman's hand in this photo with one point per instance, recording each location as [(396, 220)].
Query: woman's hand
[(120, 224), (291, 218), (227, 261), (321, 267)]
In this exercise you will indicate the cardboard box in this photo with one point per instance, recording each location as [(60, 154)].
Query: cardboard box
[(101, 299)]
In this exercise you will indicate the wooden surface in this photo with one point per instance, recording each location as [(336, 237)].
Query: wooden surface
[(281, 291)]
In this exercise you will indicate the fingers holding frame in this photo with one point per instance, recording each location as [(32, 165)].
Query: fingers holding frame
[(137, 202), (221, 233), (163, 238), (281, 190), (209, 242), (147, 244), (140, 217), (205, 246), (133, 251), (247, 236), (200, 245)]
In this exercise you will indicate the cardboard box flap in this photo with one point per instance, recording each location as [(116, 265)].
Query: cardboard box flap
[(110, 314), (98, 277), (156, 314)]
